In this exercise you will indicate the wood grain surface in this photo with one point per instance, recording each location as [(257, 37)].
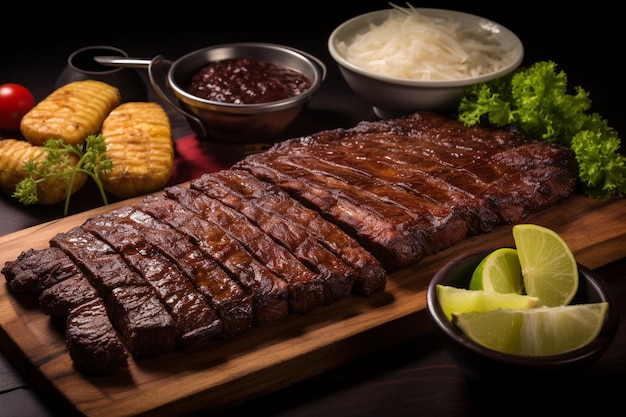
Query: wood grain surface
[(220, 374)]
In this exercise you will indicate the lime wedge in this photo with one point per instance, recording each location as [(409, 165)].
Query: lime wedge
[(461, 300), (549, 270), (538, 331), (499, 271)]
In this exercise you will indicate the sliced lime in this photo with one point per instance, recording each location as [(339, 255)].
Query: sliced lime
[(499, 271), (537, 331), (455, 300), (549, 269)]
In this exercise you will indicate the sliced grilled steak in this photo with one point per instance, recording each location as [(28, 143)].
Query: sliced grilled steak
[(485, 171), (543, 176), (146, 327), (431, 224), (144, 323), (233, 306), (337, 276), (93, 343), (490, 164), (391, 244), (104, 267), (380, 195), (371, 276), (403, 170), (58, 299), (306, 290), (37, 269), (268, 291), (194, 318)]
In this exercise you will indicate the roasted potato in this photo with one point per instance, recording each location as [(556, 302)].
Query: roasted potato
[(139, 143), (14, 154), (72, 112)]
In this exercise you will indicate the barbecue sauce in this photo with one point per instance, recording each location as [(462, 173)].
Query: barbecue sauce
[(247, 81)]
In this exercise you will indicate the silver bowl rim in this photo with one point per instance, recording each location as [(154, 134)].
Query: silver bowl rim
[(319, 70)]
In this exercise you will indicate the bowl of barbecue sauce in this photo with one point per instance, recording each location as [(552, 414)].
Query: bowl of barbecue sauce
[(244, 92)]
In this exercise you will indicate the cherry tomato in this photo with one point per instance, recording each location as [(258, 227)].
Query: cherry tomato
[(15, 101)]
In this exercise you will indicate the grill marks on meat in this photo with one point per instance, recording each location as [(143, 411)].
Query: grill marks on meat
[(392, 245), (337, 277), (231, 186), (268, 291), (425, 226), (233, 306), (415, 173), (145, 325), (306, 289), (491, 165), (194, 318), (409, 187), (307, 223)]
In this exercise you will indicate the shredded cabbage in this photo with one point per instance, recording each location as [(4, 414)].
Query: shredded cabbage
[(412, 45)]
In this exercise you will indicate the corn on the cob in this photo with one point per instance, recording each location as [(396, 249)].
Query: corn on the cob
[(139, 143), (72, 112), (14, 154)]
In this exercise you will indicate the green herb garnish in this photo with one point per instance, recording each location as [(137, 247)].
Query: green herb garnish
[(61, 162), (536, 99)]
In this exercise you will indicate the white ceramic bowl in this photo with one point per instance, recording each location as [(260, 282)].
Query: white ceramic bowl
[(393, 96)]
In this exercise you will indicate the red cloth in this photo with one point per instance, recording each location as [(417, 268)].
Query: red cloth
[(194, 157)]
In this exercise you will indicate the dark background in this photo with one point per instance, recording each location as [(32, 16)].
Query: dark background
[(583, 41)]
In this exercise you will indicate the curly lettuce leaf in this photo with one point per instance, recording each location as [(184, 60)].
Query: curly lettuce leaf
[(602, 170), (491, 99), (536, 99)]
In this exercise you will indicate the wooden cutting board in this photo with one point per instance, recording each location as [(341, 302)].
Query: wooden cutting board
[(216, 375)]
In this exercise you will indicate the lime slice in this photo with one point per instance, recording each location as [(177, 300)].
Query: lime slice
[(461, 300), (499, 271), (538, 331), (549, 270)]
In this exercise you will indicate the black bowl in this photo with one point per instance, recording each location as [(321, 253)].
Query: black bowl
[(483, 364)]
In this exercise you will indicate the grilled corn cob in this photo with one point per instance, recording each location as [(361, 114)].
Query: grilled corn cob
[(72, 112), (139, 143), (14, 154)]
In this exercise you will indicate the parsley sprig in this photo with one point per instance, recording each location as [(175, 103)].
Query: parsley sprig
[(65, 161), (537, 100)]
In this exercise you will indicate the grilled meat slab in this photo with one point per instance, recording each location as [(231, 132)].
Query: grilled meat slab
[(268, 291), (194, 318), (238, 188), (37, 269), (337, 277), (92, 341), (306, 289), (233, 306), (302, 225), (409, 187)]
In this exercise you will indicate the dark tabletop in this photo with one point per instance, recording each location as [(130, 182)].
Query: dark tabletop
[(416, 377)]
